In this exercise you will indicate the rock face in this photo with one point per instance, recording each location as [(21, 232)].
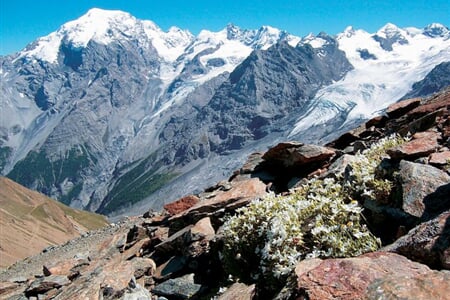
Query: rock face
[(178, 253)]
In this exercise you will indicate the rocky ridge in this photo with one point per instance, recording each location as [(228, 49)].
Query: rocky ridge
[(176, 253)]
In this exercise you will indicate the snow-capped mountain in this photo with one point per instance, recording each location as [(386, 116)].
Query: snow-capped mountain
[(386, 64), (110, 110)]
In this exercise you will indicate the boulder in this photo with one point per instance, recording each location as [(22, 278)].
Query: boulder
[(428, 243), (172, 266), (202, 230), (143, 266), (337, 168), (422, 145), (421, 189), (239, 194), (349, 278), (400, 108), (292, 154)]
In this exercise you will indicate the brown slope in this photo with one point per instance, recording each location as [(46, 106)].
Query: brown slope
[(30, 222)]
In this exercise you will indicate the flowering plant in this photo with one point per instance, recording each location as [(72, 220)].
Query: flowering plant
[(319, 219)]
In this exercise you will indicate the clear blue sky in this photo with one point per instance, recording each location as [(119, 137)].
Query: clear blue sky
[(22, 21)]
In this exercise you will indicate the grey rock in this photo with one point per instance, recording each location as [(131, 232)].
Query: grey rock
[(42, 285), (424, 189), (182, 287), (427, 243), (436, 80)]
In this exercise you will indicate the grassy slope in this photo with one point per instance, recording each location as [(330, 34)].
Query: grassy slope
[(30, 221)]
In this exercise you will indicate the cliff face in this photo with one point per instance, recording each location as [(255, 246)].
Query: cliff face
[(366, 216)]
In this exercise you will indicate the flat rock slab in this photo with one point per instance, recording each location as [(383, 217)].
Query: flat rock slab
[(422, 146), (349, 278), (181, 204), (439, 158), (400, 108), (178, 288), (293, 154), (239, 291)]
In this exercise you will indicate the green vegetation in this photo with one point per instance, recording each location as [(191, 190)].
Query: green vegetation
[(89, 220), (321, 218), (135, 185), (38, 169), (5, 152), (366, 179)]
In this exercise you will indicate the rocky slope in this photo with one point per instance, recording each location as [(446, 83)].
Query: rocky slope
[(110, 110), (30, 222), (400, 181)]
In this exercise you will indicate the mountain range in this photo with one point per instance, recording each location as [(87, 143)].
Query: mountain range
[(110, 112)]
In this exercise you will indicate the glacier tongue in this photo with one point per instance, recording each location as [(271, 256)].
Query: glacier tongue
[(380, 77)]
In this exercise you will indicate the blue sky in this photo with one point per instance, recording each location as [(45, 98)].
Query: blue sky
[(21, 22)]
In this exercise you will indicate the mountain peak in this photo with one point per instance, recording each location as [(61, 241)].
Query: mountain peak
[(436, 30), (388, 30)]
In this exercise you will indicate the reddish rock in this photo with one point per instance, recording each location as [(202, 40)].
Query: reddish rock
[(239, 291), (429, 135), (424, 144), (420, 186), (292, 154), (247, 190), (440, 158), (400, 108), (349, 278), (137, 249), (175, 242), (143, 267), (442, 101), (118, 275), (159, 235), (378, 121), (252, 162), (202, 230), (63, 267), (181, 204), (433, 285), (45, 284), (427, 243)]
